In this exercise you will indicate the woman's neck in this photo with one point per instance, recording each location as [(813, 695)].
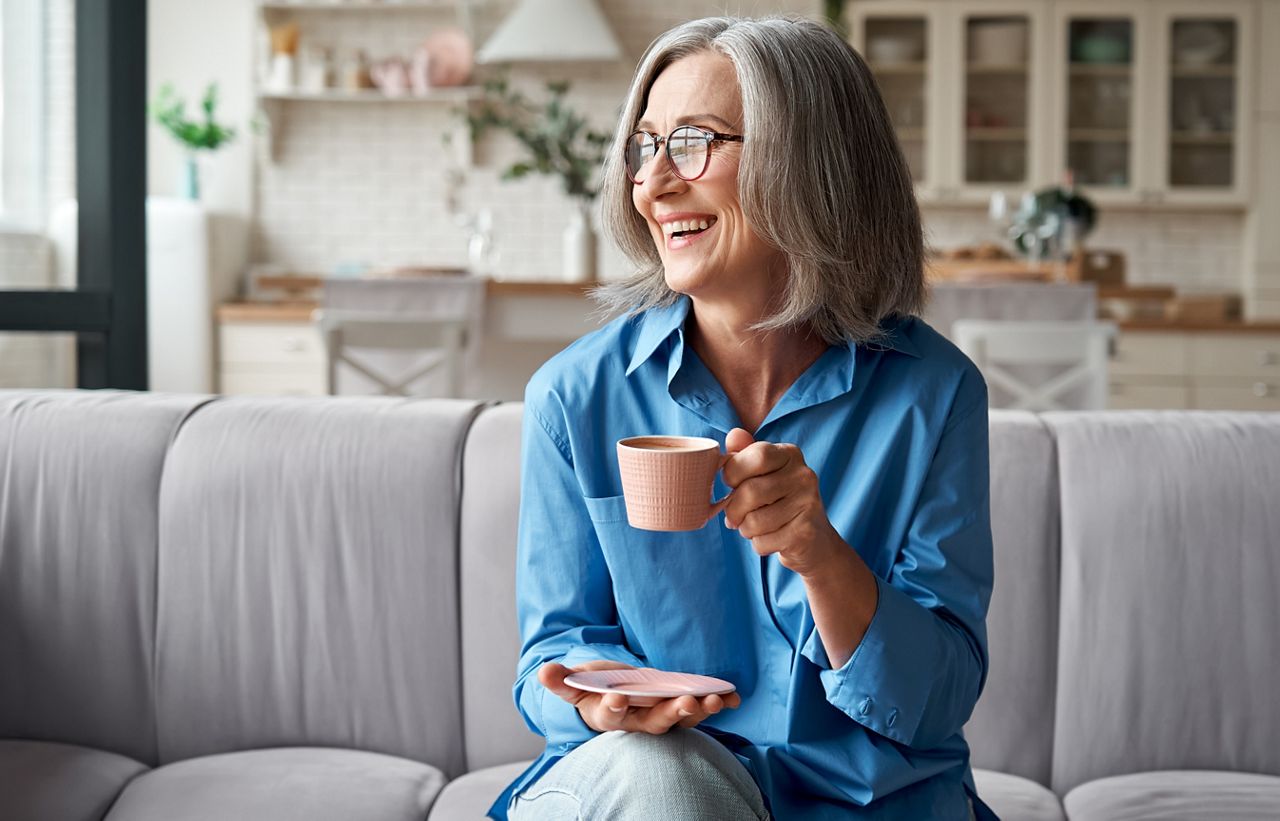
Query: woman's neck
[(755, 368)]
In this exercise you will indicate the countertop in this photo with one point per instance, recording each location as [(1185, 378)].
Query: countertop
[(301, 311)]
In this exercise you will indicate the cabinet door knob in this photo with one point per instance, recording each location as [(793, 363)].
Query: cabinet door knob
[(1261, 389), (292, 343)]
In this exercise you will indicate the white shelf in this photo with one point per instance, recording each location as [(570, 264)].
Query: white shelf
[(371, 5), (453, 94), (273, 106)]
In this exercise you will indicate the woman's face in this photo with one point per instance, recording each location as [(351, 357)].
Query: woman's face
[(728, 257)]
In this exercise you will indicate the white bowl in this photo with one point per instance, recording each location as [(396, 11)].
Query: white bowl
[(895, 48), (998, 43)]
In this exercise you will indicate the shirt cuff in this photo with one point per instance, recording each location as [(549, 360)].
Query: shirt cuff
[(562, 724), (884, 685)]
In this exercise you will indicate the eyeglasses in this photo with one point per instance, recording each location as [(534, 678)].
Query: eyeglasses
[(688, 151)]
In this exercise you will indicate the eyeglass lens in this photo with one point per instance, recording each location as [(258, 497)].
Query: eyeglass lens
[(687, 146)]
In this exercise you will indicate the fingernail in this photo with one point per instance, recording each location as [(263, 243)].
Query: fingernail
[(684, 712), (616, 709)]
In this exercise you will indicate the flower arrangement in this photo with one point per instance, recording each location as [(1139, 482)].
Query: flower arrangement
[(169, 111), (205, 134), (557, 140)]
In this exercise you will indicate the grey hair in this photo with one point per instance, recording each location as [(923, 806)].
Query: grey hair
[(821, 176)]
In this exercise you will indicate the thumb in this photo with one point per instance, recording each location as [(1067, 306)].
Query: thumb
[(552, 675), (738, 439)]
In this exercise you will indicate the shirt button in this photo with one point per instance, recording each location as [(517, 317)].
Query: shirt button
[(865, 706), (893, 716)]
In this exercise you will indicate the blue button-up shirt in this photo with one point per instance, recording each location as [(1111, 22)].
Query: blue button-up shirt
[(897, 434)]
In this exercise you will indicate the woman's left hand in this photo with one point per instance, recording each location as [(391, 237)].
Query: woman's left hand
[(776, 503)]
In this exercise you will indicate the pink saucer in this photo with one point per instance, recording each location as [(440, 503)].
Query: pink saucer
[(646, 686)]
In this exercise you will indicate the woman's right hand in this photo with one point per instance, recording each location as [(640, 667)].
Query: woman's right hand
[(612, 711)]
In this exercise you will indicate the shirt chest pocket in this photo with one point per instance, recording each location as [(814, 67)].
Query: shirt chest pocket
[(681, 596)]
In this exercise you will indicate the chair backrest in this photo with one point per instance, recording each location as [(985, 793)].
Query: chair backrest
[(1042, 365), (436, 342)]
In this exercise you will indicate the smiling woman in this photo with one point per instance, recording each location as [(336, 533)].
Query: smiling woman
[(756, 183)]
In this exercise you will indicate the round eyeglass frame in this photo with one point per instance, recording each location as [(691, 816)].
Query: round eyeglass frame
[(664, 143)]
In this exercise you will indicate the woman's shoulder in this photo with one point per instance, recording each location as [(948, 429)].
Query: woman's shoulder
[(938, 365), (588, 368)]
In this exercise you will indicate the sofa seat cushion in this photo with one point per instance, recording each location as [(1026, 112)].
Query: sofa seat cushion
[(1176, 794), (1014, 798), (43, 781), (283, 784), (468, 797)]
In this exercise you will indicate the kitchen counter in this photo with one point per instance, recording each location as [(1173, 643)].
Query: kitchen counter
[(1271, 326), (300, 310)]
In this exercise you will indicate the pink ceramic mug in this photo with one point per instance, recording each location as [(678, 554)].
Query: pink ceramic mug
[(667, 481)]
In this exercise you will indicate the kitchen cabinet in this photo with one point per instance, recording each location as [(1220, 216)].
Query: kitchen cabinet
[(279, 354), (1147, 102), (1202, 369)]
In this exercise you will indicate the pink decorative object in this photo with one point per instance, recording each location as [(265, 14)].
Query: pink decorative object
[(645, 686), (667, 481), (391, 76), (451, 57), (419, 71)]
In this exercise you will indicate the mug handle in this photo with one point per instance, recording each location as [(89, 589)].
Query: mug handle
[(717, 507)]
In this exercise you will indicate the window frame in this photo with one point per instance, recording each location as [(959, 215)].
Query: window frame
[(107, 310)]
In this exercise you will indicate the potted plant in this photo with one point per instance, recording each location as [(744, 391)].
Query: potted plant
[(1053, 222), (205, 134), (558, 142)]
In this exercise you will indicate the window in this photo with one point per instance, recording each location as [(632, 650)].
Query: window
[(23, 105)]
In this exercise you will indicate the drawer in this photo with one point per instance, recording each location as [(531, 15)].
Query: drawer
[(1245, 395), (1246, 355), (1146, 396), (1148, 354), (272, 383), (270, 343)]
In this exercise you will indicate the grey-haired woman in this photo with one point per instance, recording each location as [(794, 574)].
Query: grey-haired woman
[(757, 184)]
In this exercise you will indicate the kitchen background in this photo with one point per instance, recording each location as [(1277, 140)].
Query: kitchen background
[(331, 187)]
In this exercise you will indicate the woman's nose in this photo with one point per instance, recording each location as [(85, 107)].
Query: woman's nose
[(661, 178)]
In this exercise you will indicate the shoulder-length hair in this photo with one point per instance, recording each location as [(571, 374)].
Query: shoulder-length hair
[(821, 177)]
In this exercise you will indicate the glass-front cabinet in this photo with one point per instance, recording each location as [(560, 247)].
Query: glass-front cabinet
[(1141, 101), (1203, 55), (899, 43), (1101, 130), (999, 105)]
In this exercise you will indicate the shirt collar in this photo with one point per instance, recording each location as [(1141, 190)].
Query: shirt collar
[(657, 325)]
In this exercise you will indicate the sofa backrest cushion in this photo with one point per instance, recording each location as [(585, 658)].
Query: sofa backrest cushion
[(1168, 650), (308, 578), (1012, 727), (495, 733), (80, 474)]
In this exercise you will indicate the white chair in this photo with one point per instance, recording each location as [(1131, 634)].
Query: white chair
[(1042, 365), (438, 341)]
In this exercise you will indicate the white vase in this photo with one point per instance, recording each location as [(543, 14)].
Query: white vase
[(580, 245)]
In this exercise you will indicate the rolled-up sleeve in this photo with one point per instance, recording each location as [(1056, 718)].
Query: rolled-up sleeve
[(916, 675), (564, 598)]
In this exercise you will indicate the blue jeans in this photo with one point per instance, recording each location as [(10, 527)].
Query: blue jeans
[(684, 775)]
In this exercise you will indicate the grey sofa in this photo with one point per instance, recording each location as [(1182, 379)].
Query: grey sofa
[(236, 608)]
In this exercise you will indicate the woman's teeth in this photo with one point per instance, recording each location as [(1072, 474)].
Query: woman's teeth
[(685, 226)]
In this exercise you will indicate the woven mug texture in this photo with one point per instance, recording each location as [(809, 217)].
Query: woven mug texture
[(667, 480)]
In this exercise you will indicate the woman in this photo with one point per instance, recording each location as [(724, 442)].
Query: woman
[(758, 184)]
